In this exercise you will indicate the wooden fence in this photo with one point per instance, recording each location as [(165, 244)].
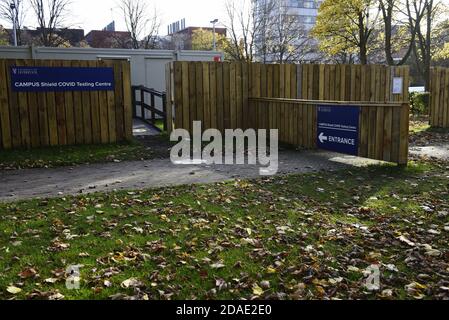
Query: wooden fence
[(39, 119), (284, 97), (439, 97)]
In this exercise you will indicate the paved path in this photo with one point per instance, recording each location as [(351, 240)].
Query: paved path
[(141, 128), (439, 151), (34, 183)]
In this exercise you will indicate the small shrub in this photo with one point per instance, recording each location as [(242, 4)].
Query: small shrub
[(419, 103)]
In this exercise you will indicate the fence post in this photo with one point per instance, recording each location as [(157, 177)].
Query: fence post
[(164, 107), (153, 115), (133, 92), (142, 102)]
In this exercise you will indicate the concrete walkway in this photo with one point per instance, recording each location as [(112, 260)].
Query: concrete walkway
[(440, 151), (39, 183), (141, 128)]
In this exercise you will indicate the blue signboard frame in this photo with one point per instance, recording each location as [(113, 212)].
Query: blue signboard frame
[(60, 79), (338, 129)]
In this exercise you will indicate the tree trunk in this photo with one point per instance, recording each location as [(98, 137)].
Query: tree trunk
[(362, 41)]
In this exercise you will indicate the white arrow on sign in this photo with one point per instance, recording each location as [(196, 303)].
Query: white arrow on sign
[(322, 137)]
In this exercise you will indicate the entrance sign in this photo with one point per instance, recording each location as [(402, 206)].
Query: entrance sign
[(58, 79), (338, 129)]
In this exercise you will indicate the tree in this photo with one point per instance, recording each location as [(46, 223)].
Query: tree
[(142, 24), (424, 47), (346, 27), (3, 37), (17, 14), (399, 28), (243, 26), (50, 16), (286, 38), (203, 40)]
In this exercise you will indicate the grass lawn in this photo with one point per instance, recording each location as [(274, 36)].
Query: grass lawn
[(72, 155), (294, 237)]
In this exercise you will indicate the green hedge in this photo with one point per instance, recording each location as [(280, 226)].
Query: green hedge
[(419, 103)]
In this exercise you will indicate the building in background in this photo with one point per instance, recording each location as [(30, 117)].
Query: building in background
[(285, 27), (182, 39), (109, 39), (305, 11)]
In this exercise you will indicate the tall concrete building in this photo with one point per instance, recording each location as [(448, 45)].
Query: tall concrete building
[(305, 11), (285, 23)]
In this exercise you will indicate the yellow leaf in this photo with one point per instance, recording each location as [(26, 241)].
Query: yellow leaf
[(13, 290), (257, 290), (271, 270)]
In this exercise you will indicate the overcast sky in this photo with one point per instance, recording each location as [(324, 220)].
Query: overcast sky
[(96, 14)]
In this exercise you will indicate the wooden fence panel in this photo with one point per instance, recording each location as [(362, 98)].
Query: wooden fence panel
[(439, 97), (285, 97), (41, 119)]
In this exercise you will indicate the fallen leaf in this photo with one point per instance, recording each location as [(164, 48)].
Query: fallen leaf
[(13, 290)]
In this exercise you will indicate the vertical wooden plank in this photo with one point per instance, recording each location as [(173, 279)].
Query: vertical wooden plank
[(78, 109), (206, 96), (220, 97), (14, 111), (343, 82), (23, 114), (169, 80), (227, 99), (297, 118), (69, 112), (52, 118), (322, 81), (32, 115), (239, 93), (199, 91), (304, 111), (292, 108), (388, 120), (127, 100), (232, 96), (311, 110), (337, 83), (270, 111), (286, 122), (257, 92), (446, 99), (277, 94), (192, 91), (103, 107), (395, 133), (404, 134), (213, 94), (119, 101), (60, 112), (4, 107), (442, 98), (332, 79), (87, 116), (179, 122), (187, 122), (353, 83), (436, 106)]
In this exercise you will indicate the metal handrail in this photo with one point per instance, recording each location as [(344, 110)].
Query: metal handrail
[(149, 107)]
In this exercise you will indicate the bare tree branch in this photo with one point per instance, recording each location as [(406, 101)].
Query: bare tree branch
[(142, 25), (50, 16)]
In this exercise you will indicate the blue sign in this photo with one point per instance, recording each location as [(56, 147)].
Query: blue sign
[(57, 79), (338, 129)]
